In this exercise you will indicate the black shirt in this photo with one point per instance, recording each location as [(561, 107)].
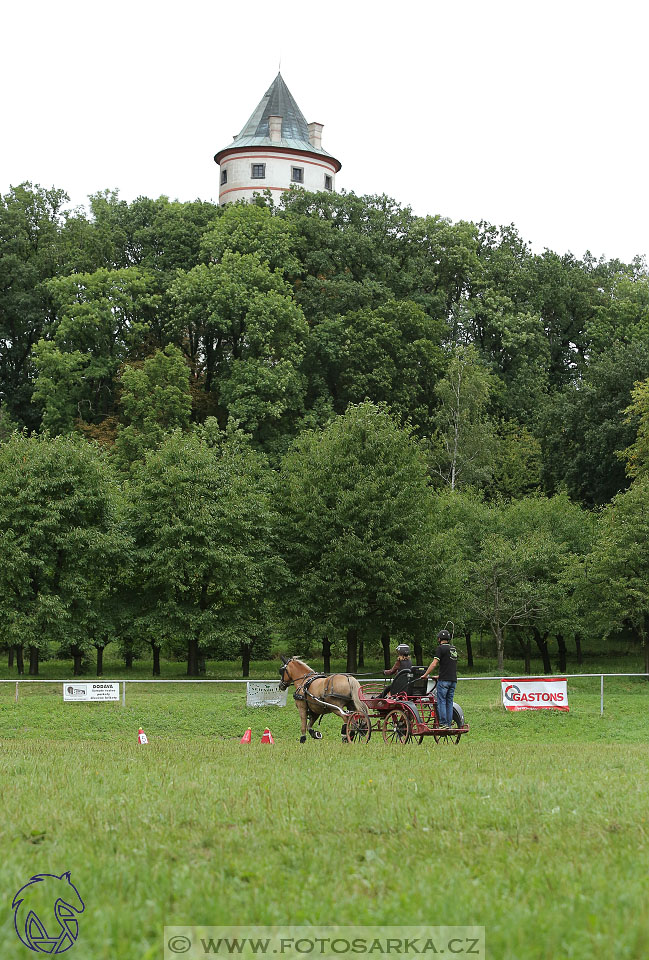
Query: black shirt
[(447, 656)]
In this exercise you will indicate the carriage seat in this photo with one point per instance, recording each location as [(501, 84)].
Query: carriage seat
[(401, 682), (417, 687)]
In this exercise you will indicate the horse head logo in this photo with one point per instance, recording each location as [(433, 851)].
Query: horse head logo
[(45, 913)]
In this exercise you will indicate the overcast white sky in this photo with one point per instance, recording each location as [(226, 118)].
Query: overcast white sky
[(524, 112)]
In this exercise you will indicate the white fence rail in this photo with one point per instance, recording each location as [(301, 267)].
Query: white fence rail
[(568, 676)]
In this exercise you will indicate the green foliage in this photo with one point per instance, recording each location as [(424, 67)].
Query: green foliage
[(637, 414), (104, 319), (205, 564), (155, 400), (59, 539), (463, 445), (356, 524)]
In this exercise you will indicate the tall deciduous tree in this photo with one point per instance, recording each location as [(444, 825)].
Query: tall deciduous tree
[(203, 522), (58, 536), (356, 528), (463, 445)]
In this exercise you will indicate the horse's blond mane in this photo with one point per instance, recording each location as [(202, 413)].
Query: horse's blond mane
[(301, 662)]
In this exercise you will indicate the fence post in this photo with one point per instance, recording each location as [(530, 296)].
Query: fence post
[(601, 708), (16, 692), (123, 693)]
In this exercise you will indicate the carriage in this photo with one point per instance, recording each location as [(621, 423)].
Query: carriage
[(404, 714)]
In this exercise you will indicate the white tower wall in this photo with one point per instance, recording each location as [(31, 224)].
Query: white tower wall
[(279, 167)]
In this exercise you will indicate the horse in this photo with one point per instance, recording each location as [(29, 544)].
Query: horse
[(316, 694)]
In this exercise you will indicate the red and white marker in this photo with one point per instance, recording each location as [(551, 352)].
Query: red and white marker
[(141, 736), (247, 737), (267, 737)]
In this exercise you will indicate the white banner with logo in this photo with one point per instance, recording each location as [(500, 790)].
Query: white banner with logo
[(261, 693), (84, 692), (535, 693)]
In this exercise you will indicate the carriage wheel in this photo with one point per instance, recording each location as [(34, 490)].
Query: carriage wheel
[(397, 727), (449, 737), (359, 728)]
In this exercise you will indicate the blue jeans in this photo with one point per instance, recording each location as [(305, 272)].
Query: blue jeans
[(445, 691)]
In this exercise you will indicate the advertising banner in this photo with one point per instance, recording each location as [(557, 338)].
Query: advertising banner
[(85, 692), (535, 693), (264, 692)]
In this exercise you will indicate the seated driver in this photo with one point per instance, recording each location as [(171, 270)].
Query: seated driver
[(403, 662)]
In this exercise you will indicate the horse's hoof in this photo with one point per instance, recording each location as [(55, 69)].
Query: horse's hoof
[(303, 739), (316, 734)]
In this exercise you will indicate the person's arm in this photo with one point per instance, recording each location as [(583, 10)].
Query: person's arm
[(430, 669), (392, 670)]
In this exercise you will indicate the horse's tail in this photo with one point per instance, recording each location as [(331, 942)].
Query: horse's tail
[(355, 689)]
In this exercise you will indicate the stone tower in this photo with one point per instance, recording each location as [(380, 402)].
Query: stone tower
[(276, 149)]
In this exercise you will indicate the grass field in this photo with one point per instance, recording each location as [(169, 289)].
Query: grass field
[(534, 827)]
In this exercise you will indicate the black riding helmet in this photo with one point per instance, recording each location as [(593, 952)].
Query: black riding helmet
[(444, 635), (403, 650)]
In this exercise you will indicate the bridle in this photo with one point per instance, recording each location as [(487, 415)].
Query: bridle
[(286, 680)]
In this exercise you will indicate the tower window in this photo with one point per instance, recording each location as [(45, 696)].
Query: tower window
[(328, 182), (224, 176), (297, 174), (258, 171)]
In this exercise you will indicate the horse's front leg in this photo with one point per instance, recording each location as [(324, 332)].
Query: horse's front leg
[(313, 733), (301, 705)]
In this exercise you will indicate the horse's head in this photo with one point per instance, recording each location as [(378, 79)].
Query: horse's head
[(292, 669), (285, 673), (45, 912)]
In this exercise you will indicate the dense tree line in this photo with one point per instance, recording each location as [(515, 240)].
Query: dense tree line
[(328, 420)]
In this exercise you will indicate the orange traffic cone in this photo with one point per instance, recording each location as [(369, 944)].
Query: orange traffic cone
[(267, 737), (141, 736), (247, 737)]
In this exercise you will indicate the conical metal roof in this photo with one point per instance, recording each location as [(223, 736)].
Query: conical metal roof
[(278, 101)]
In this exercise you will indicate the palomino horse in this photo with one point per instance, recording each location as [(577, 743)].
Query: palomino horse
[(316, 694)]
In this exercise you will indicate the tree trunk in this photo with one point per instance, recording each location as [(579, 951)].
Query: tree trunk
[(326, 654), (10, 657), (246, 650), (580, 656), (385, 644), (352, 648), (100, 661), (156, 660), (500, 647), (563, 653), (542, 644), (526, 650), (33, 661), (192, 657), (77, 657), (419, 653), (469, 648), (361, 653), (20, 665), (202, 666), (128, 658)]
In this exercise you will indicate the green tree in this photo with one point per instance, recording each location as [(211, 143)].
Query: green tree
[(105, 319), (462, 447), (31, 219), (637, 415), (205, 560), (355, 528), (155, 400), (58, 537), (247, 228), (245, 337), (617, 583)]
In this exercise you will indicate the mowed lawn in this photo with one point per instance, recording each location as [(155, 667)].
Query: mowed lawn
[(535, 826)]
